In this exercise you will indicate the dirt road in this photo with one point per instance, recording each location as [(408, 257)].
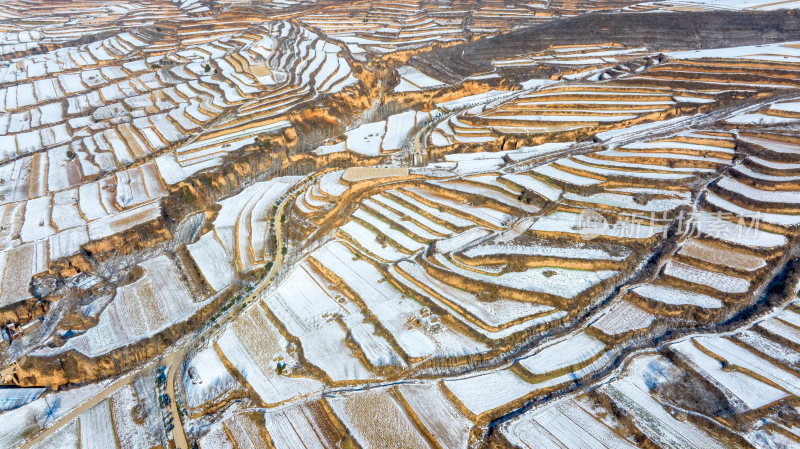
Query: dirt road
[(174, 365), (170, 359), (174, 360)]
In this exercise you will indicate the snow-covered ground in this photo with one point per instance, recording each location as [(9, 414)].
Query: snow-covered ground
[(752, 392), (621, 317), (437, 413), (495, 313), (210, 256), (632, 393), (543, 250), (97, 427), (574, 223), (677, 297), (303, 425), (472, 391), (369, 413), (11, 398), (562, 424), (462, 240), (101, 132), (206, 378), (721, 282), (43, 412), (307, 311), (563, 282), (571, 351), (393, 309), (150, 304), (254, 347)]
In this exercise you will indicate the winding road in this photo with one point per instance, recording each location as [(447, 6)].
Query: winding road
[(174, 360)]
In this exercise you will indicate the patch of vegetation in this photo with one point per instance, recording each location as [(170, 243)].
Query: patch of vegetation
[(186, 195)]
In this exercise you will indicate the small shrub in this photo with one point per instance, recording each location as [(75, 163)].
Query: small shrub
[(186, 195)]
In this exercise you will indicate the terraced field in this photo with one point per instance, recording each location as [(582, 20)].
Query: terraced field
[(476, 263), (392, 224)]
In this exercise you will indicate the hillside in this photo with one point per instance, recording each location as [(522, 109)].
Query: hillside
[(399, 223)]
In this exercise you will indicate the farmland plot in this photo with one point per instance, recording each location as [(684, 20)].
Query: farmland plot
[(130, 433), (393, 310), (449, 427), (562, 424), (536, 113), (573, 351), (739, 356), (65, 438), (737, 233), (303, 425), (18, 266), (412, 215), (216, 438), (68, 242), (245, 432), (493, 195), (498, 314), (576, 251), (720, 282), (436, 213), (241, 230), (210, 256), (371, 241), (97, 428), (563, 222), (308, 312), (206, 379), (401, 240), (747, 391), (566, 283), (111, 224), (780, 328), (254, 347), (330, 183), (23, 420), (674, 296), (721, 256), (409, 227), (723, 204), (623, 317), (767, 347), (486, 215), (510, 390), (631, 393), (367, 414), (140, 309), (505, 386), (37, 220), (480, 317)]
